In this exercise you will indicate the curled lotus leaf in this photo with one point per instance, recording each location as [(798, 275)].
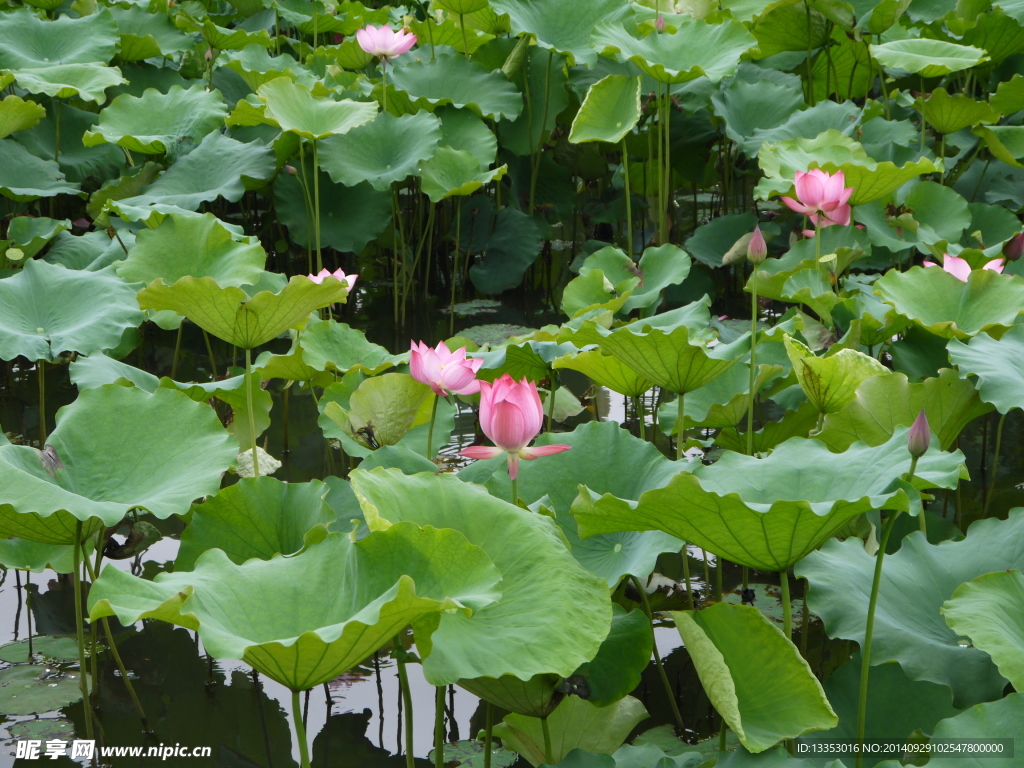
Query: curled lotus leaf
[(24, 177), (31, 42), (927, 57), (337, 347), (450, 78), (831, 382), (293, 107), (606, 371), (610, 110), (993, 719), (17, 114), (259, 611), (88, 82)]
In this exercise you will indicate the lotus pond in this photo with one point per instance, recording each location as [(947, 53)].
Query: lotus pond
[(580, 383)]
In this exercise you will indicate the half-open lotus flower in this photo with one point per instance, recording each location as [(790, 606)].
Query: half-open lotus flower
[(511, 415), (960, 269), (323, 274), (384, 42), (444, 371), (822, 197)]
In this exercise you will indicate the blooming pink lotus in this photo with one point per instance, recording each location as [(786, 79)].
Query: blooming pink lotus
[(960, 269), (384, 42), (822, 197), (323, 274), (444, 371), (511, 416)]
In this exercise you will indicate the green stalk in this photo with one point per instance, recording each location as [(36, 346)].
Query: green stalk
[(430, 430), (787, 605), (249, 409), (439, 727), (209, 351), (686, 578), (515, 491), (657, 656), (177, 351), (455, 267), (680, 432), (551, 404), (865, 661), (307, 205), (629, 202), (300, 730), (640, 417), (41, 371), (668, 164), (489, 728), (805, 620), (547, 741), (719, 562), (753, 362), (79, 630), (316, 207), (995, 468), (403, 679), (462, 26), (56, 131)]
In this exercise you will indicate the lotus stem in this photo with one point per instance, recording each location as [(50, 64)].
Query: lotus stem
[(680, 423), (384, 72), (56, 131), (209, 351), (515, 491), (865, 661), (551, 405), (300, 730), (41, 371), (686, 578), (403, 681), (547, 741), (787, 605), (249, 408), (746, 577), (430, 430), (629, 202), (316, 204), (995, 469), (753, 362), (665, 205), (79, 629), (707, 567), (488, 733), (462, 26), (805, 620), (286, 398), (640, 417), (657, 656), (922, 521), (719, 563), (177, 351), (28, 611), (455, 267), (439, 727), (308, 205)]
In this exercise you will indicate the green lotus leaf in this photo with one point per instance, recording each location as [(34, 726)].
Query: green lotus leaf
[(990, 611), (923, 576), (608, 459), (789, 25), (77, 161), (531, 360), (337, 347), (719, 404), (35, 556), (453, 172), (512, 245), (563, 26), (624, 655), (536, 697), (386, 407), (769, 513), (290, 367), (155, 123), (553, 615), (1009, 95), (293, 107), (997, 364), (606, 371), (32, 233), (385, 150), (368, 591), (951, 308), (750, 107), (29, 689), (879, 322), (222, 38), (449, 33), (59, 648), (576, 724), (257, 517), (464, 130), (88, 82), (695, 49), (710, 242), (16, 114), (831, 383), (949, 114), (795, 423), (1005, 142), (659, 267), (628, 756), (48, 310), (462, 7), (450, 78), (256, 66), (229, 314), (897, 705), (885, 402), (146, 35), (122, 448), (31, 42), (765, 696), (994, 719), (927, 57), (609, 111), (592, 291)]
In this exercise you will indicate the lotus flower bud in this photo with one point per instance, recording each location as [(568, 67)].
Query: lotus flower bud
[(757, 248), (1014, 247), (659, 23), (919, 436), (290, 170)]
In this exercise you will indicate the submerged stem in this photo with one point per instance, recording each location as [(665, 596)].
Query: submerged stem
[(488, 731), (439, 727), (657, 656), (686, 578)]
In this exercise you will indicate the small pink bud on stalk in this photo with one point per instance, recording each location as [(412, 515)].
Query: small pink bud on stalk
[(290, 170), (659, 23), (1014, 247), (919, 437), (757, 248)]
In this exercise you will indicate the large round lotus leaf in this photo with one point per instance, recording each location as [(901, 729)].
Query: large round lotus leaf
[(155, 123), (607, 459), (454, 173), (200, 246), (293, 107), (990, 611), (256, 66), (606, 371), (624, 655), (576, 724), (337, 347), (768, 513), (88, 82), (23, 176), (879, 322), (610, 110), (30, 689), (383, 151), (60, 648), (593, 292), (949, 307), (747, 107), (927, 57), (257, 517), (999, 366), (754, 676), (146, 35), (36, 556), (512, 247), (916, 580), (536, 697), (261, 611), (464, 130), (885, 402), (77, 161), (31, 42), (121, 449), (995, 719), (720, 404), (897, 705), (950, 113), (47, 310), (830, 383), (789, 26), (695, 49), (229, 313), (450, 78), (553, 614), (218, 167), (563, 26), (222, 38), (16, 114), (31, 233)]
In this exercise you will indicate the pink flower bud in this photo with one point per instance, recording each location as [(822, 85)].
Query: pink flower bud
[(659, 23), (290, 170), (920, 436), (757, 248), (1014, 247)]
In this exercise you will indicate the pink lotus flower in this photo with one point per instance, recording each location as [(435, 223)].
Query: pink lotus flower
[(757, 248), (511, 416), (960, 269), (323, 274), (822, 197), (920, 436), (444, 371), (384, 42)]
